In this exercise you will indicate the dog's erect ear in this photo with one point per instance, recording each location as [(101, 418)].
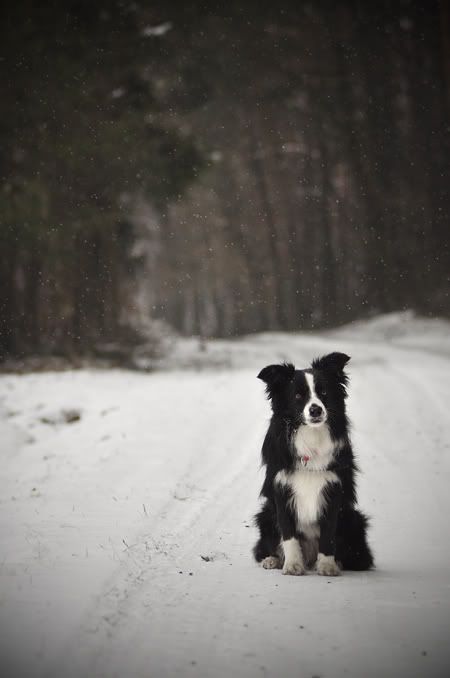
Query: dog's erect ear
[(275, 376), (334, 363)]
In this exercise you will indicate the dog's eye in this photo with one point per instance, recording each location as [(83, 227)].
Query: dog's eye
[(298, 396)]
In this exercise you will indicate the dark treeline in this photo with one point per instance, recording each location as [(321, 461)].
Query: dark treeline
[(227, 167)]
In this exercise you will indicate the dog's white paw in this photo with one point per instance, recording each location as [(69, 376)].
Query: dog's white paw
[(271, 563), (294, 567), (327, 566)]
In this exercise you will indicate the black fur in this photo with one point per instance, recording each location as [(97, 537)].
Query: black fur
[(342, 526)]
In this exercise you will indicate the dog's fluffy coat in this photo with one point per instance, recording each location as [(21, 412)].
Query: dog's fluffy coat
[(309, 515)]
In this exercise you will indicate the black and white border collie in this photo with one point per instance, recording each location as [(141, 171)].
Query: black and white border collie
[(309, 517)]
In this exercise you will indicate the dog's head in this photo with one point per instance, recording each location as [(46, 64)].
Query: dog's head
[(308, 397)]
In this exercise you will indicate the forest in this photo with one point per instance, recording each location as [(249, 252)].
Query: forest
[(219, 168)]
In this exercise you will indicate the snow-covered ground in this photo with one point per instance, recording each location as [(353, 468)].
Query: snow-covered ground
[(126, 509)]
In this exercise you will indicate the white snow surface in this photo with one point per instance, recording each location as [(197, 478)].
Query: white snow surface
[(125, 535)]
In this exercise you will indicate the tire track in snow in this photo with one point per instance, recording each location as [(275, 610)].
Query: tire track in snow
[(183, 525)]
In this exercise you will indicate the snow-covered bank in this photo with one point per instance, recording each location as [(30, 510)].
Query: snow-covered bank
[(125, 540), (403, 330)]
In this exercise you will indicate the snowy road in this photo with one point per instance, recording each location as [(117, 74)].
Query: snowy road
[(126, 535)]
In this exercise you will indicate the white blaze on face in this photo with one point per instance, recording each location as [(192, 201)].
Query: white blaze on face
[(313, 400)]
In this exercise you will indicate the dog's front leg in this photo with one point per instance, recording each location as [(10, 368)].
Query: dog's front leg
[(293, 557), (326, 563)]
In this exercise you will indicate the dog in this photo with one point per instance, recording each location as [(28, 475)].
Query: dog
[(309, 516)]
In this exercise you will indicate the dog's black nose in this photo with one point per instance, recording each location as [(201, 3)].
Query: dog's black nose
[(315, 410)]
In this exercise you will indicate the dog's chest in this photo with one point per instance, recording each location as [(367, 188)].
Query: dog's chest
[(314, 447), (308, 482), (308, 493)]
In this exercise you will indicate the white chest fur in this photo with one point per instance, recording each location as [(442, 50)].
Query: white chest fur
[(316, 445), (308, 483), (308, 496)]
